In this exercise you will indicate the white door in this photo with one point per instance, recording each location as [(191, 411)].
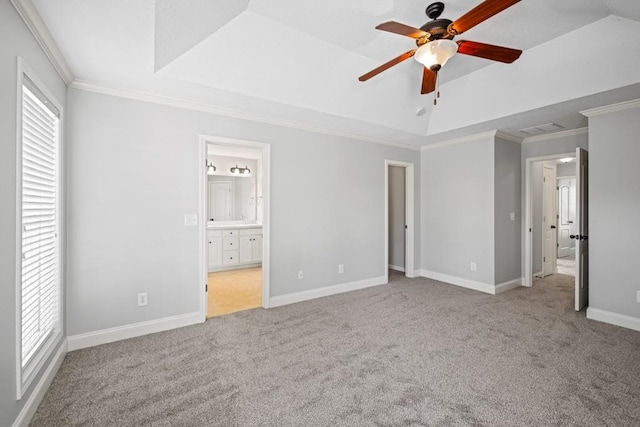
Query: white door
[(567, 215), (220, 201), (548, 220), (582, 229)]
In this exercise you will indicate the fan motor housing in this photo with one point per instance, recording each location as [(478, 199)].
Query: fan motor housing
[(438, 29)]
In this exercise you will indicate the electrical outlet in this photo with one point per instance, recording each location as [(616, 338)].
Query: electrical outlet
[(142, 299), (340, 268), (512, 216), (638, 296), (473, 266), (300, 274), (190, 220)]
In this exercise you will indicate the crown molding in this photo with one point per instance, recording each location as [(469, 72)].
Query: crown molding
[(227, 112), (468, 138), (508, 137), (38, 28), (555, 135), (611, 108)]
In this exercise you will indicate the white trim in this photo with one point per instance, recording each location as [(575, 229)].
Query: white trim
[(104, 336), (527, 277), (459, 281), (31, 405), (38, 28), (234, 267), (295, 297), (266, 217), (396, 268), (555, 135), (508, 137), (611, 108), (613, 318), (227, 112), (511, 284), (468, 138), (409, 206)]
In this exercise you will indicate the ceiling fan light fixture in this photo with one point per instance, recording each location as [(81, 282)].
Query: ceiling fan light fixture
[(435, 54)]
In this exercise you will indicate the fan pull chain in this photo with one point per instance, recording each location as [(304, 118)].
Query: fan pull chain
[(436, 94)]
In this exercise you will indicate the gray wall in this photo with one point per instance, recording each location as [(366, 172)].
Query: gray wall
[(15, 40), (566, 169), (327, 208), (458, 209), (614, 198), (396, 216), (507, 199)]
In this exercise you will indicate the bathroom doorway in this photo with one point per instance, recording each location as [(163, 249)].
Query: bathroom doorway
[(399, 218), (235, 236)]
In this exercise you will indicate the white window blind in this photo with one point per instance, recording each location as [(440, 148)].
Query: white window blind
[(40, 297)]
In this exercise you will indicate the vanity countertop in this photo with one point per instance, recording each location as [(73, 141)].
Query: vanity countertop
[(231, 226)]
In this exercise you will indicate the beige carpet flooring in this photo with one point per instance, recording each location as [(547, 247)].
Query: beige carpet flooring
[(234, 290), (416, 352)]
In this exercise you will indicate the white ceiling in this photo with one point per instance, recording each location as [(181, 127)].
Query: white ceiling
[(299, 61)]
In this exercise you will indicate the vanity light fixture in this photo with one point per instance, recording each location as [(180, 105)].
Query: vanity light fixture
[(240, 171), (210, 168)]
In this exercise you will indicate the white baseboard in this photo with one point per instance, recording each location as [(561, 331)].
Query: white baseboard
[(459, 281), (538, 275), (511, 284), (396, 268), (31, 405), (613, 318), (325, 292), (118, 333)]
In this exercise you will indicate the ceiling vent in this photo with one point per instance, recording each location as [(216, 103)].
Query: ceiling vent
[(537, 130)]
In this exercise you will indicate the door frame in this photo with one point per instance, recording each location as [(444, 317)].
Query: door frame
[(527, 279), (203, 188), (409, 212)]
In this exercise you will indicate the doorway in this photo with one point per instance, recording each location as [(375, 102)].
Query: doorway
[(566, 221), (234, 238), (533, 226), (399, 218)]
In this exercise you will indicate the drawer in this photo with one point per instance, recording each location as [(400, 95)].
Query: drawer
[(229, 243), (214, 233), (230, 257), (228, 233), (251, 232)]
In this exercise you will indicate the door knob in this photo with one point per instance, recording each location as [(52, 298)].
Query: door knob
[(553, 227), (574, 237), (584, 237)]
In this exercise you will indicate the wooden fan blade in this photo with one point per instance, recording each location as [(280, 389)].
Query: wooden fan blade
[(403, 30), (387, 65), (428, 81), (482, 12), (488, 51)]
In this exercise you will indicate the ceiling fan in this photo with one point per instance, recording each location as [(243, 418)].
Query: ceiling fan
[(436, 45)]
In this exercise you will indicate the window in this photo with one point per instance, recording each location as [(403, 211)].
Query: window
[(39, 271)]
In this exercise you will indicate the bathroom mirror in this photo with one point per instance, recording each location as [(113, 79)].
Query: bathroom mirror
[(232, 198)]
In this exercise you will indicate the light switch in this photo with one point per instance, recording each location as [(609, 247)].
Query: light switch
[(512, 216), (190, 220)]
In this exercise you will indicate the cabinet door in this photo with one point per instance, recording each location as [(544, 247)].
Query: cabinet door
[(215, 252), (256, 248), (246, 253)]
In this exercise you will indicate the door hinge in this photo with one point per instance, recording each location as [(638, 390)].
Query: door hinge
[(206, 287), (544, 259)]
